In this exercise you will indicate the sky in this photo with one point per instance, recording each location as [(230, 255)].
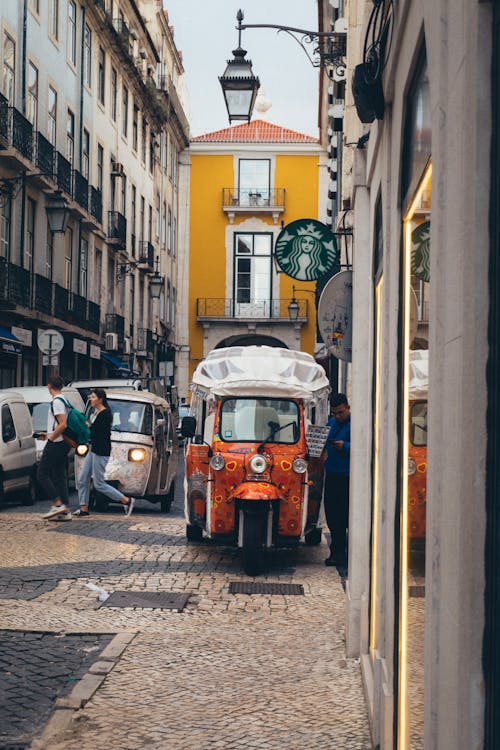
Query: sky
[(205, 33)]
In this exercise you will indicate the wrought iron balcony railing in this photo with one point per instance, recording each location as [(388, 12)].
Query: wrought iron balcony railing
[(253, 198), (146, 256), (44, 158), (44, 291), (81, 188), (78, 311), (117, 229), (231, 309), (61, 302), (96, 203), (144, 340), (15, 284), (93, 317), (115, 324), (15, 130), (64, 174)]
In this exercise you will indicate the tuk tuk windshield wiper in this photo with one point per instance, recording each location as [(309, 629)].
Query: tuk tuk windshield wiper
[(275, 427)]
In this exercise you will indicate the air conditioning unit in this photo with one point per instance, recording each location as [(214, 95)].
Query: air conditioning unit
[(116, 168), (126, 345), (111, 342)]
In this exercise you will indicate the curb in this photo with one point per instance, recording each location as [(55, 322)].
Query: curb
[(65, 708)]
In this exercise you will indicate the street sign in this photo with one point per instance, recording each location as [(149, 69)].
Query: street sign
[(50, 341), (306, 249), (335, 315), (53, 361)]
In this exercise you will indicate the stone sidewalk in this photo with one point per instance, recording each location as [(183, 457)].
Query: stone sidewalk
[(229, 671)]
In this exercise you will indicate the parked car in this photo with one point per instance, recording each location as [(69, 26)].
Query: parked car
[(144, 448), (38, 399), (17, 448)]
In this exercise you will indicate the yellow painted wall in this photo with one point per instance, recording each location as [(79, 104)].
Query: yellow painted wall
[(208, 223)]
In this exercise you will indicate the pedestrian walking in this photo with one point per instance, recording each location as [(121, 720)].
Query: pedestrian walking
[(337, 467), (52, 470), (94, 463)]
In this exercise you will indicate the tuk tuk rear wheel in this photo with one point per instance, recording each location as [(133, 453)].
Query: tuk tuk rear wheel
[(252, 552)]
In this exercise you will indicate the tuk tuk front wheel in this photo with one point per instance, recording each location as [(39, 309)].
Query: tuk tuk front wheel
[(252, 552)]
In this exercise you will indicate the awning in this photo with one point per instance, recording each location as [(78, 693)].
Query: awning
[(122, 368), (9, 344)]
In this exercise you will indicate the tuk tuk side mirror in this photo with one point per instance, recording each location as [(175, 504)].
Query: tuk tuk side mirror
[(188, 427)]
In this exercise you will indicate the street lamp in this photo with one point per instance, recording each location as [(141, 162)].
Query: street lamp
[(57, 213), (156, 282), (239, 85), (294, 307)]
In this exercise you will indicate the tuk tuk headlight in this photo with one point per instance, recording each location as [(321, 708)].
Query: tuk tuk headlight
[(136, 454), (82, 450), (258, 464), (412, 466), (299, 466), (217, 462)]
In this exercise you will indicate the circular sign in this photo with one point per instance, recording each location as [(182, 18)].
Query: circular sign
[(50, 341), (335, 315), (420, 247), (306, 250)]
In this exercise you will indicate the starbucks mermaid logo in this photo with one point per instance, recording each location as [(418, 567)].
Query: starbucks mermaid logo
[(306, 250)]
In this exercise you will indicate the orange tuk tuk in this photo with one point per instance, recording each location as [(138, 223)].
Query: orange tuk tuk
[(417, 458), (254, 471)]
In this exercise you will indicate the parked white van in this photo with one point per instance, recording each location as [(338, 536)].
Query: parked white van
[(17, 448)]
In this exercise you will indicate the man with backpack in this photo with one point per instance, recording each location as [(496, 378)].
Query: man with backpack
[(52, 470)]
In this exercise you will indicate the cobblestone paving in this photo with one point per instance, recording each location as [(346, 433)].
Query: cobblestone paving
[(35, 669), (230, 671)]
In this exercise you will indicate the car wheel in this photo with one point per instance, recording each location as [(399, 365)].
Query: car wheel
[(167, 500)]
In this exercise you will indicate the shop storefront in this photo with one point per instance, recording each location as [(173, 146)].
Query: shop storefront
[(10, 358)]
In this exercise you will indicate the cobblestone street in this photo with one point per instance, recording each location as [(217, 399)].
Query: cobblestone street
[(257, 671)]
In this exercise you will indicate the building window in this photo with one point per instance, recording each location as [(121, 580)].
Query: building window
[(169, 231), (174, 237), (9, 67), (49, 253), (114, 93), (54, 19), (124, 195), (151, 152), (171, 165), (150, 223), (72, 32), (252, 273), (101, 81), (52, 116), (87, 55), (70, 137), (142, 217), (135, 127), (98, 276), (5, 221), (144, 139), (35, 6), (133, 209), (68, 259), (29, 250), (163, 233), (84, 264), (86, 154), (253, 180), (132, 301), (32, 103), (100, 163), (125, 112)]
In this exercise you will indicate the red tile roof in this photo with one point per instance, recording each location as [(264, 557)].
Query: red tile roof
[(257, 131)]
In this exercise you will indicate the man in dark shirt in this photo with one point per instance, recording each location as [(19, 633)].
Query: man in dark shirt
[(337, 467)]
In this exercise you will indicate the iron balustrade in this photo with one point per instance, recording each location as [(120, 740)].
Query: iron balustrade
[(81, 189), (93, 317), (146, 255), (64, 174), (123, 33), (253, 197), (78, 311), (21, 133), (117, 227), (15, 284), (43, 294), (61, 302), (44, 155), (144, 340), (230, 309), (115, 324), (96, 203)]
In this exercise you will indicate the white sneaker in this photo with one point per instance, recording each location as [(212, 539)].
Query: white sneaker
[(129, 507), (56, 510), (62, 517)]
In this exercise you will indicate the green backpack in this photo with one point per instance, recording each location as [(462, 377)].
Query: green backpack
[(77, 430)]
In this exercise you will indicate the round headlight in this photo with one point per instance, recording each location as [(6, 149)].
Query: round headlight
[(412, 466), (136, 454), (258, 464), (217, 462), (299, 466), (82, 450)]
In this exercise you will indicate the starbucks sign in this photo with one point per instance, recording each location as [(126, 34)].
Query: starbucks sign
[(306, 250)]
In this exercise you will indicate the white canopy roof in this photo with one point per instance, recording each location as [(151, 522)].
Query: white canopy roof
[(260, 371), (419, 373)]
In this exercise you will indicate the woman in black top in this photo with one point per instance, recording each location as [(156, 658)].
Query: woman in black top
[(94, 464)]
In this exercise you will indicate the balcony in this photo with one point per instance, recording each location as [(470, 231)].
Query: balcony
[(43, 294), (78, 310), (96, 204), (15, 285), (81, 189), (115, 324), (61, 302), (144, 343), (16, 131), (122, 33), (44, 158), (253, 201), (117, 230), (224, 310), (64, 174), (93, 317), (146, 259)]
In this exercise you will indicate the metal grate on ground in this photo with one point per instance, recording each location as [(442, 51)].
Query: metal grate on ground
[(147, 600), (256, 587)]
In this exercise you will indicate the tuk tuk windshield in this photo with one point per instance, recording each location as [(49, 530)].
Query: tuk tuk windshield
[(256, 419), (418, 423), (131, 416)]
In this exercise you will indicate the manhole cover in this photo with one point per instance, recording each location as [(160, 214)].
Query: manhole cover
[(254, 587), (147, 600), (417, 591)]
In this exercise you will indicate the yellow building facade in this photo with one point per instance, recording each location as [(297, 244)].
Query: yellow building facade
[(246, 183)]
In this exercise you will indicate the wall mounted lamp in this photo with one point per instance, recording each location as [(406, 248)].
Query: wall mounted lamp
[(156, 281), (56, 207), (294, 307)]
